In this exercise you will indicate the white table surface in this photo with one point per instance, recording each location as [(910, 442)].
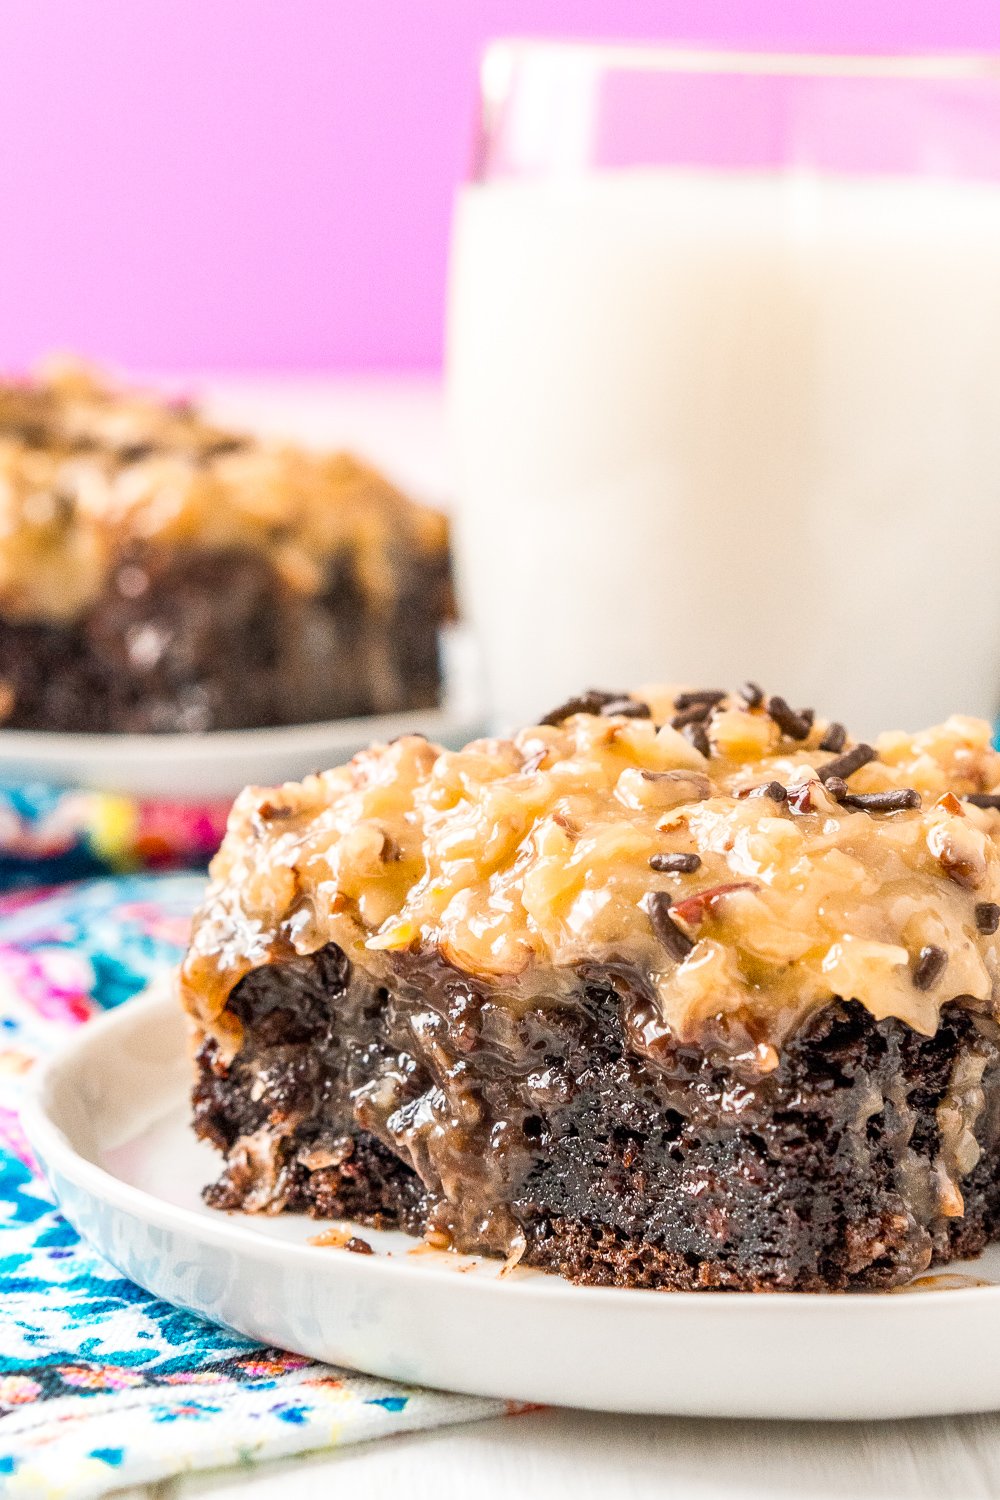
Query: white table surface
[(564, 1455), (578, 1456)]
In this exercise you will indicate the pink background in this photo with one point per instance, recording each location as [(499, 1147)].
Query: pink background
[(265, 184)]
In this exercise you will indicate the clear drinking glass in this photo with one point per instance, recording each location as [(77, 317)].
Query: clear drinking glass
[(724, 378)]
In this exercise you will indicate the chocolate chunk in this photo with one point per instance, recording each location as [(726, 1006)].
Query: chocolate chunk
[(846, 765), (900, 800), (594, 701), (752, 694), (795, 725), (676, 942), (984, 799), (987, 915), (834, 738), (929, 966), (359, 1246), (675, 864)]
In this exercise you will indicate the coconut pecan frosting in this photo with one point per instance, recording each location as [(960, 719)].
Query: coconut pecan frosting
[(750, 860)]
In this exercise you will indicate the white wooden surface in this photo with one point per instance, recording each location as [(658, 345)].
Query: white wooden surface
[(570, 1455), (578, 1456)]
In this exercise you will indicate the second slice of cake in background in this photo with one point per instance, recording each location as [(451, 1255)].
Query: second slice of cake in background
[(160, 574)]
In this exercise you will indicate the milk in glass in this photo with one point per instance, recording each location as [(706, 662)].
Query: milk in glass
[(714, 425)]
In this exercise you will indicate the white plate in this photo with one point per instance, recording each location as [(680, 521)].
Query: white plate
[(109, 1120), (218, 764)]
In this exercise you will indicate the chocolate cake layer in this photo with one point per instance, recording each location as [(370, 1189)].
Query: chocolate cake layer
[(554, 1140), (189, 639)]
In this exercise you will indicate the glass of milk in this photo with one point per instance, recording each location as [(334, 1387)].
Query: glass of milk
[(724, 378)]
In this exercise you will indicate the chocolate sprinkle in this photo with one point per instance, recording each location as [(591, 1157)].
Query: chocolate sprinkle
[(984, 799), (627, 708), (837, 787), (846, 765), (987, 916), (675, 864), (696, 735), (899, 800), (596, 702), (358, 1246), (676, 942), (834, 738), (795, 725), (752, 694), (709, 697), (695, 713), (929, 966)]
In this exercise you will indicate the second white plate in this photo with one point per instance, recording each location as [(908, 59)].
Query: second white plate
[(110, 1122), (204, 767)]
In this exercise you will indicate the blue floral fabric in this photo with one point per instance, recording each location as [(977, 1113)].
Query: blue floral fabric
[(101, 1384)]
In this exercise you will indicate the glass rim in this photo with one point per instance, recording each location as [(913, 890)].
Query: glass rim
[(501, 55)]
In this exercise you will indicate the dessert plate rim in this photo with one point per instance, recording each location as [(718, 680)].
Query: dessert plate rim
[(214, 763), (381, 1312)]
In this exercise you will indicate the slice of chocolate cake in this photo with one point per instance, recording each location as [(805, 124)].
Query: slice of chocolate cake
[(159, 574), (685, 990)]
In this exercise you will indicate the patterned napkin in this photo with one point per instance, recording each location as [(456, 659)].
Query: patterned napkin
[(50, 834), (101, 1384)]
